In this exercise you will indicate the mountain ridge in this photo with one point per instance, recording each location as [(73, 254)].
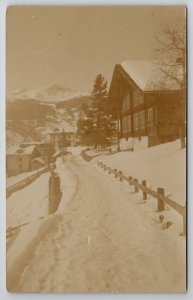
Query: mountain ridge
[(53, 93)]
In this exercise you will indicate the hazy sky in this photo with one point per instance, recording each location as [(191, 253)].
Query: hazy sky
[(71, 45)]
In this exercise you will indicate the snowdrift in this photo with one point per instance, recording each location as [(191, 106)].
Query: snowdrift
[(161, 166), (22, 248)]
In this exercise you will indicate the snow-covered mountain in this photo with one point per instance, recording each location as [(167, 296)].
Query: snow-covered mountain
[(51, 94)]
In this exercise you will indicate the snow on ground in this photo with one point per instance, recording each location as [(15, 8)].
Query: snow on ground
[(103, 240), (28, 205), (135, 143), (96, 153), (76, 150), (161, 166), (15, 179)]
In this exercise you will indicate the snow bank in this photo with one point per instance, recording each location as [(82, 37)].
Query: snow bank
[(23, 247), (27, 206), (15, 179), (29, 203), (161, 166), (135, 143), (76, 150)]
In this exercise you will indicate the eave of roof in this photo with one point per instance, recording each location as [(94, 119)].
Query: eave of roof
[(148, 77)]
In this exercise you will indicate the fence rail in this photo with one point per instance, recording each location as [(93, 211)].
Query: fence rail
[(159, 194), (24, 182)]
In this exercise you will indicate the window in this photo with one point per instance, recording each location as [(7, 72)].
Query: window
[(126, 124), (142, 120), (123, 124), (135, 121), (137, 98), (129, 123), (126, 103), (150, 116)]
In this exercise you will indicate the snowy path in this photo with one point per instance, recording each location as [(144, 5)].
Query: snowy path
[(104, 241)]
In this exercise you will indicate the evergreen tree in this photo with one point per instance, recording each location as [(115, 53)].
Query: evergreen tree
[(104, 124), (98, 124)]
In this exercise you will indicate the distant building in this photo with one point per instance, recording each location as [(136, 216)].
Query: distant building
[(19, 160), (82, 115), (61, 139), (72, 138), (145, 104), (56, 138), (45, 149)]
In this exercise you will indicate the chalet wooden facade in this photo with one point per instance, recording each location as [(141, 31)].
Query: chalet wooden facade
[(144, 104)]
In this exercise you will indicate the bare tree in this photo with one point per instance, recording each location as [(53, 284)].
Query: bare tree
[(170, 57)]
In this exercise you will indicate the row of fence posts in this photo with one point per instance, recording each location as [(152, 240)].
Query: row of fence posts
[(133, 181)]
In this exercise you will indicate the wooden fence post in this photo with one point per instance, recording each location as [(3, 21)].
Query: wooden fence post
[(130, 179), (115, 173), (120, 175), (160, 203), (144, 193), (136, 190)]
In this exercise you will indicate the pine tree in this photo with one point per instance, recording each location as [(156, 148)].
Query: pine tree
[(104, 124), (98, 125), (99, 94)]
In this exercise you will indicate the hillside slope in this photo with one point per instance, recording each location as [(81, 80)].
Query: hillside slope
[(161, 166), (32, 119)]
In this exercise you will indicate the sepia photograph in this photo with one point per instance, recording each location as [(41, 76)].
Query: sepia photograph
[(96, 102)]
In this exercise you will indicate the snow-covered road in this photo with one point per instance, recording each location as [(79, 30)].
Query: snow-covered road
[(104, 242)]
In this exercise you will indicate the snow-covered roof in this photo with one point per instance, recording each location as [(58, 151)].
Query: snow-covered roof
[(39, 159), (61, 132), (26, 144), (56, 132), (70, 132), (21, 151), (148, 76)]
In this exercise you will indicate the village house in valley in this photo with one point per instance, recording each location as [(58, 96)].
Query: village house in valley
[(45, 149), (145, 103), (60, 139), (19, 160)]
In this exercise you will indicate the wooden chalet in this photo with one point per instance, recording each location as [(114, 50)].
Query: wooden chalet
[(145, 103)]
